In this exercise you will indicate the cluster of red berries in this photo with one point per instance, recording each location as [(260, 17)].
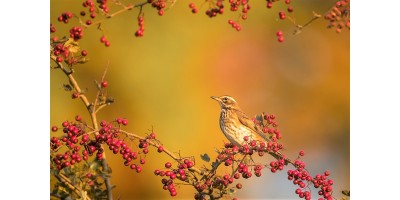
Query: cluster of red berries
[(76, 33), (61, 51), (140, 31), (217, 8), (104, 40), (64, 17), (71, 156), (52, 28), (103, 5), (235, 25), (325, 185), (244, 170), (277, 165), (159, 5), (339, 15), (206, 187), (279, 34), (193, 7), (179, 173), (245, 7), (301, 177), (89, 4)]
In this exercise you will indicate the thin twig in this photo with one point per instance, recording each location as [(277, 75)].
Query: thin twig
[(62, 178), (166, 151)]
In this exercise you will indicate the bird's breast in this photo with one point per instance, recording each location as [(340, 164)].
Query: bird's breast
[(232, 128)]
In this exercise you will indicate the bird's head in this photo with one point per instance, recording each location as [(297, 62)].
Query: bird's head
[(226, 102)]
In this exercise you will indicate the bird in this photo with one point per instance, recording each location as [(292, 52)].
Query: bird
[(235, 125)]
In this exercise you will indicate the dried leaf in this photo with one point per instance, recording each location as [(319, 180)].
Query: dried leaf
[(73, 46), (67, 87), (205, 157), (346, 192)]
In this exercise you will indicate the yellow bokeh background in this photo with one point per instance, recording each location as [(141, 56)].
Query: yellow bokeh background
[(164, 81)]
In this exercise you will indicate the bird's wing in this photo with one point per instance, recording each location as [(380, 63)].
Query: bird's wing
[(250, 124), (244, 119)]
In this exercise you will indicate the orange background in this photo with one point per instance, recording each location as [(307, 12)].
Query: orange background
[(165, 79)]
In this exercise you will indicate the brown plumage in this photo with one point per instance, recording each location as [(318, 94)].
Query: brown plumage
[(235, 124)]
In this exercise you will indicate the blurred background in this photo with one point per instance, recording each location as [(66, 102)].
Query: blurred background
[(164, 81)]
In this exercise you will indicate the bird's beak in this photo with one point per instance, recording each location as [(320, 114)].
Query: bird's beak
[(215, 98)]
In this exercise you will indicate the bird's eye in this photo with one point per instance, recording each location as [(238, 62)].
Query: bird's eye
[(225, 99)]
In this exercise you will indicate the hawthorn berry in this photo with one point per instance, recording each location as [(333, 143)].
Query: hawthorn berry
[(107, 43), (54, 128), (168, 165), (84, 53)]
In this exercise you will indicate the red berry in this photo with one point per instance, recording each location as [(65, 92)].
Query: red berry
[(327, 173), (280, 39), (54, 128), (103, 39), (84, 53), (279, 33), (168, 165), (104, 84), (138, 169), (65, 124), (59, 59), (160, 149), (75, 95), (282, 15), (290, 9), (78, 118), (192, 5), (107, 43), (301, 153)]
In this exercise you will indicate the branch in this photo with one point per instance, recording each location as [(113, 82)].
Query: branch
[(109, 16), (93, 116), (62, 178), (166, 151)]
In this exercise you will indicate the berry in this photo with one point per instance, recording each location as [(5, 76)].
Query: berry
[(104, 84), (103, 39), (59, 59), (84, 53), (282, 15), (78, 118), (75, 95), (54, 128), (280, 39), (239, 186), (168, 165)]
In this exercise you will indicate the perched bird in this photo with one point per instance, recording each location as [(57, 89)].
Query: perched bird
[(235, 124)]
